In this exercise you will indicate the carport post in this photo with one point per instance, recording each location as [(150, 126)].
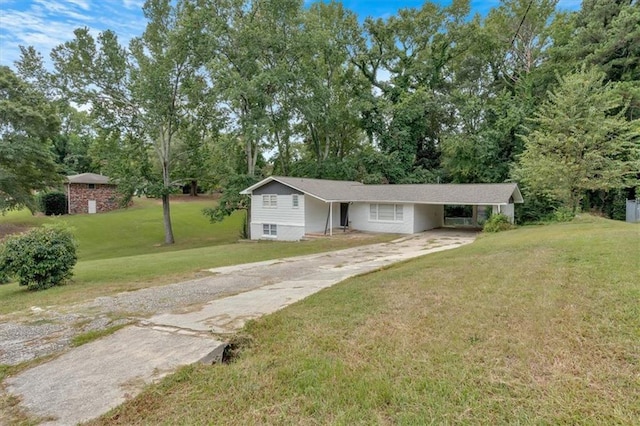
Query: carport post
[(330, 218)]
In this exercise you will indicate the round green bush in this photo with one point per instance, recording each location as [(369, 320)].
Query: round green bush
[(53, 203), (497, 223), (41, 258)]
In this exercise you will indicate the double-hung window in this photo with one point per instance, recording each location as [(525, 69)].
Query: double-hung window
[(386, 212), (270, 201), (270, 229)]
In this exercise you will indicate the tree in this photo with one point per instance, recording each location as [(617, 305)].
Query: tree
[(606, 34), (581, 141), (71, 146), (248, 46), (231, 200), (415, 49), (27, 124), (498, 84), (140, 94), (327, 86)]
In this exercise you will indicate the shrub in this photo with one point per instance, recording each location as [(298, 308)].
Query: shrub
[(4, 278), (41, 258), (497, 223), (563, 214), (53, 203)]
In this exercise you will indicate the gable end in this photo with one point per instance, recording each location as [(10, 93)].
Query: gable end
[(277, 188)]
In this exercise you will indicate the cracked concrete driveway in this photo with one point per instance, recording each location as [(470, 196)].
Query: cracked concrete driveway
[(188, 322)]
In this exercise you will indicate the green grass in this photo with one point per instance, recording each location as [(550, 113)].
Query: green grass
[(138, 229), (540, 325), (120, 251), (90, 336)]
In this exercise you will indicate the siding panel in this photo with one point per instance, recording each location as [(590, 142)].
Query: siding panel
[(359, 216), (315, 214), (284, 213), (290, 220)]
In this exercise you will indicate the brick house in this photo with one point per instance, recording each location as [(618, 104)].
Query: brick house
[(90, 193)]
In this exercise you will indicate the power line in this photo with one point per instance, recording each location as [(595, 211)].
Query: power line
[(513, 40)]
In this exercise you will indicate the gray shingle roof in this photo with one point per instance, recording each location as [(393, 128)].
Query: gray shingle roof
[(481, 193), (88, 178), (346, 191), (327, 190)]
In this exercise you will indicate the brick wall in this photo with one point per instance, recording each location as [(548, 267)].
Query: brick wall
[(79, 195)]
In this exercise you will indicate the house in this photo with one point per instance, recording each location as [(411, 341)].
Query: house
[(287, 208), (90, 193)]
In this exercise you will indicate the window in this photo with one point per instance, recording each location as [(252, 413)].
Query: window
[(270, 229), (386, 212), (294, 201), (270, 201), (92, 185)]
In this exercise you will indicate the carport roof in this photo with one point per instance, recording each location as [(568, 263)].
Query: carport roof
[(348, 191)]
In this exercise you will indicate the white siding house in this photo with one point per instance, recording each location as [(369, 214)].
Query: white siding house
[(285, 208)]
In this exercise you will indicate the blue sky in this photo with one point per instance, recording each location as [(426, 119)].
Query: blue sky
[(46, 23)]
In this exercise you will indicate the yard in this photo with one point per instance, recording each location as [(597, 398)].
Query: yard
[(122, 251), (536, 325)]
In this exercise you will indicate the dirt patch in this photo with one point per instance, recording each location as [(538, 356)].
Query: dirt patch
[(186, 198), (7, 229)]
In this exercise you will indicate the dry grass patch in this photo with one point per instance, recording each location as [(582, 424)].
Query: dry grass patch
[(537, 325)]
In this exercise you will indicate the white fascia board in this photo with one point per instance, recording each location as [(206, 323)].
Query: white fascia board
[(517, 196), (428, 203)]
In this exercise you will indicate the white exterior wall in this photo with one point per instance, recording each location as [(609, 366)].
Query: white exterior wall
[(427, 216), (290, 221), (359, 217), (507, 210), (315, 214)]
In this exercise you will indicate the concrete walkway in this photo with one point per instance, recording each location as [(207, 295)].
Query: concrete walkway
[(87, 381)]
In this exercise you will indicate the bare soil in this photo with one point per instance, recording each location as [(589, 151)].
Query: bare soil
[(7, 229)]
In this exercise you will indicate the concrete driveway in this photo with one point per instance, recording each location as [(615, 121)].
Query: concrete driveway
[(191, 323)]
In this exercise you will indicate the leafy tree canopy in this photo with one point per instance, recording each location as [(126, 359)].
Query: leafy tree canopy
[(27, 124), (581, 142)]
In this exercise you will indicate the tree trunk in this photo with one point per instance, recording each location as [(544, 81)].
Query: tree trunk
[(193, 190), (248, 222), (166, 216), (249, 153)]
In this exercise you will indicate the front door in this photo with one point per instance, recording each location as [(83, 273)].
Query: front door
[(344, 214), (92, 206)]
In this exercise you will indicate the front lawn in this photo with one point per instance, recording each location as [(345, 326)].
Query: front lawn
[(138, 229), (121, 251), (540, 325)]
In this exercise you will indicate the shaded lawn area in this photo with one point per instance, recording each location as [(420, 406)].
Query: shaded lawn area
[(536, 325)]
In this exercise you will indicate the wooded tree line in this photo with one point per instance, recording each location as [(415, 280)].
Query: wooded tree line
[(219, 92)]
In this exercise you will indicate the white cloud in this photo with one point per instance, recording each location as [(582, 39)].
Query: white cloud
[(82, 4), (133, 4), (44, 24)]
